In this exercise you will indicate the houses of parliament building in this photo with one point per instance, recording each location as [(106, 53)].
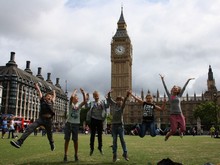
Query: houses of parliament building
[(19, 97)]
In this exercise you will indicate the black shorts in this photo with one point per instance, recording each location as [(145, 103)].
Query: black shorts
[(69, 129)]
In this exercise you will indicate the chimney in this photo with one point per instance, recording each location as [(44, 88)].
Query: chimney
[(57, 83), (48, 78), (12, 60), (39, 73), (28, 67)]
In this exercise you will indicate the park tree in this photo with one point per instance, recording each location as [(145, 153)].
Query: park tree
[(207, 112)]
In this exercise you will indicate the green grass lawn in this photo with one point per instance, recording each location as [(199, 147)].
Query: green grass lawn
[(189, 150)]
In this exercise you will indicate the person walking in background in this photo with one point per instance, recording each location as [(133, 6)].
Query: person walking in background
[(176, 116), (212, 131), (117, 109), (45, 118), (4, 126), (148, 116), (11, 128), (72, 123), (97, 115)]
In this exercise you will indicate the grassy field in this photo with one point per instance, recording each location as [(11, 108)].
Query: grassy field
[(189, 150)]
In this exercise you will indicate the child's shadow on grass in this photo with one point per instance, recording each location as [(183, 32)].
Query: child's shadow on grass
[(79, 163)]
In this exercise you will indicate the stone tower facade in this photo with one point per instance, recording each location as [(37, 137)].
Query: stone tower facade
[(121, 60)]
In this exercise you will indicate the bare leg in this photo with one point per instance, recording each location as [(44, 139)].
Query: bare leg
[(66, 144), (76, 150)]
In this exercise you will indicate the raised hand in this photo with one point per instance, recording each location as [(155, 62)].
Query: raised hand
[(162, 77)]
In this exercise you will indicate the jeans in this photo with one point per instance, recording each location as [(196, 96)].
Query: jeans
[(11, 132), (118, 129), (47, 123), (142, 128)]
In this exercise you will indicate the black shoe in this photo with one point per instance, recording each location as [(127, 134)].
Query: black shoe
[(76, 158), (91, 152), (52, 146), (114, 157), (161, 132), (16, 144), (65, 158), (101, 151), (125, 155)]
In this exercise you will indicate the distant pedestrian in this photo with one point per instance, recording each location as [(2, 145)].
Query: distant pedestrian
[(4, 126), (11, 128), (212, 131)]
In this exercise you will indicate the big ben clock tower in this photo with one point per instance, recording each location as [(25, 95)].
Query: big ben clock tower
[(121, 59)]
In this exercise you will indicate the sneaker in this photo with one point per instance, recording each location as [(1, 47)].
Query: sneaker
[(52, 146), (16, 144), (166, 138), (91, 152), (76, 158), (101, 151), (114, 157), (181, 135), (161, 131), (125, 155), (65, 158)]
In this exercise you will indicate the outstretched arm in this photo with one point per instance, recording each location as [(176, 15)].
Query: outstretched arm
[(38, 90), (164, 85), (162, 107), (136, 98), (73, 95), (184, 87), (84, 97), (125, 99), (109, 98)]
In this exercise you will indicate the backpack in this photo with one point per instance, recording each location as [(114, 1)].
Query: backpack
[(168, 162)]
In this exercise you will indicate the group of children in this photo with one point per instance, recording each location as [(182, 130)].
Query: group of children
[(96, 115)]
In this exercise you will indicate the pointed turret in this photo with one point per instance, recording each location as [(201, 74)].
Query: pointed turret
[(211, 81), (121, 30)]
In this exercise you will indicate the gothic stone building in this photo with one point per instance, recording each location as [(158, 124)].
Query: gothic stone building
[(19, 96), (121, 80)]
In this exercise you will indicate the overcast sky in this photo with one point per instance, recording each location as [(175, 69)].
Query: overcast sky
[(71, 40)]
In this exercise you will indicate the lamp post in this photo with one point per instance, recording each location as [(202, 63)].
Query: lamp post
[(1, 87), (215, 96)]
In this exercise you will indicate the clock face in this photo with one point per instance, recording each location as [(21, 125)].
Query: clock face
[(119, 50)]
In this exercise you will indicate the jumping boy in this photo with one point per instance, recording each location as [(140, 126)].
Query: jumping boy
[(117, 109), (45, 119), (97, 113), (72, 124)]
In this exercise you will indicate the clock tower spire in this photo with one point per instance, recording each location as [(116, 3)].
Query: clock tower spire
[(121, 59)]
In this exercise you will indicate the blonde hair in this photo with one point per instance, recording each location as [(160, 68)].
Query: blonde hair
[(95, 92), (178, 87)]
